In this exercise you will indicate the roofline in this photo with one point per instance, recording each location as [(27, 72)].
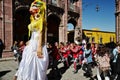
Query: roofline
[(94, 31), (97, 31)]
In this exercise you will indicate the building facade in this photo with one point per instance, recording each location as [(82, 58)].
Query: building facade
[(14, 19), (60, 13), (6, 22), (100, 37), (117, 17), (96, 36)]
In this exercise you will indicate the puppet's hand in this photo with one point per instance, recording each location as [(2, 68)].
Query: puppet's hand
[(27, 43), (39, 54)]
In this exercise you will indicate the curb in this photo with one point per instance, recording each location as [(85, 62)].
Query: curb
[(7, 59)]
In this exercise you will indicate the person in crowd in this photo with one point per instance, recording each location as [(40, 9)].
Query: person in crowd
[(80, 51), (55, 55), (68, 52), (75, 52), (103, 63), (94, 49), (57, 45), (1, 47), (87, 62), (50, 51), (118, 67), (35, 59), (80, 54), (113, 62), (21, 47), (63, 51), (14, 49)]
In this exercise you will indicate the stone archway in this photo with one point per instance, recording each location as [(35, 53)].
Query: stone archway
[(53, 22), (71, 23)]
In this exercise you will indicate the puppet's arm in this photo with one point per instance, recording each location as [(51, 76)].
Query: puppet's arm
[(39, 48)]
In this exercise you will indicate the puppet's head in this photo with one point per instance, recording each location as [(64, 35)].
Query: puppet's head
[(37, 6), (37, 10)]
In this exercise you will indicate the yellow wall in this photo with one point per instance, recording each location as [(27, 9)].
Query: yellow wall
[(100, 34)]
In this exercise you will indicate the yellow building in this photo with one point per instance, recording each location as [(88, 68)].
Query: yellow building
[(97, 36)]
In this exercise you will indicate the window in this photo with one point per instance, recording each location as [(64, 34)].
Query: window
[(110, 39), (113, 39), (101, 40), (93, 39)]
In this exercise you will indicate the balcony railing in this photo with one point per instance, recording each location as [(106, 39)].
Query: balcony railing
[(57, 3), (61, 4), (73, 8)]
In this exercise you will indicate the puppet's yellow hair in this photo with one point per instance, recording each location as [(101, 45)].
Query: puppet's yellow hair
[(42, 20), (37, 0)]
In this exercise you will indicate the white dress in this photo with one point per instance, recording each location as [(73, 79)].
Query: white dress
[(31, 67)]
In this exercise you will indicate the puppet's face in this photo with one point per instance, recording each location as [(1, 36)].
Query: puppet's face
[(38, 6), (34, 9)]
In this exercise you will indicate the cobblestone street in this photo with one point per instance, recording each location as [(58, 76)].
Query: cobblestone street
[(9, 67)]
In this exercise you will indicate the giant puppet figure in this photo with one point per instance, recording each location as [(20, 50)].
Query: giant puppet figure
[(35, 56)]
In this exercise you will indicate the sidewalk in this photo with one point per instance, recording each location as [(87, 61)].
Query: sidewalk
[(7, 56), (7, 59)]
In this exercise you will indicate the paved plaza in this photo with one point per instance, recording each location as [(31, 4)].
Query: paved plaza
[(9, 67)]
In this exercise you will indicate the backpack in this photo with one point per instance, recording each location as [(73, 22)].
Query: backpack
[(103, 62)]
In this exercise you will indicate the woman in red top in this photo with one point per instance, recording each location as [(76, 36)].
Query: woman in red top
[(94, 49), (64, 54), (80, 52), (75, 52)]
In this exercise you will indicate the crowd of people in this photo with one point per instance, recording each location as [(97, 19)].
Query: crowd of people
[(87, 55)]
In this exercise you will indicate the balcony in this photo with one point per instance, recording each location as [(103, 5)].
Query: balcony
[(61, 4), (73, 8), (57, 3)]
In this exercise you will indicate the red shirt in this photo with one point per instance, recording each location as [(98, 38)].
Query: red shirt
[(63, 51), (75, 52)]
